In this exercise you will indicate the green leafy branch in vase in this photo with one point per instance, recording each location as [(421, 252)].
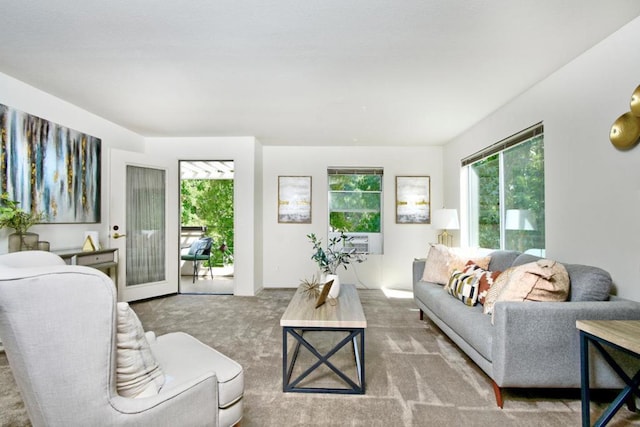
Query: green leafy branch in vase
[(335, 255)]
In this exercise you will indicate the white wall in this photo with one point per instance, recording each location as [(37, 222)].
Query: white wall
[(267, 253), (258, 211), (286, 250), (21, 96), (592, 190), (245, 153)]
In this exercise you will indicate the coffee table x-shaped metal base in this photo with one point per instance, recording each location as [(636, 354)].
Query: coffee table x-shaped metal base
[(626, 395), (298, 334)]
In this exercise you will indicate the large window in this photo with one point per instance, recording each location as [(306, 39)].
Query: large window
[(355, 206), (506, 194)]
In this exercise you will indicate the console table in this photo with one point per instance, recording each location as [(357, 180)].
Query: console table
[(623, 335), (345, 316), (102, 259)]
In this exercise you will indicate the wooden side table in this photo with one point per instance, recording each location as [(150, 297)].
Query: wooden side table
[(623, 335)]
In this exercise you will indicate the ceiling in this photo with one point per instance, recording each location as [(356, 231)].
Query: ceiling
[(298, 72)]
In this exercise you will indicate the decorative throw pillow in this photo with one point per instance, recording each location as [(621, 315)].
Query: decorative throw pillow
[(485, 279), (137, 372), (498, 286), (543, 280), (461, 259), (442, 261), (552, 283), (436, 268), (471, 266), (463, 285)]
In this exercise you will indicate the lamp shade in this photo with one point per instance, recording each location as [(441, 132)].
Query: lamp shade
[(445, 219), (519, 219)]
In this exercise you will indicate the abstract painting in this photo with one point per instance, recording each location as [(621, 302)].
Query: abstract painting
[(413, 200), (294, 199), (49, 168)]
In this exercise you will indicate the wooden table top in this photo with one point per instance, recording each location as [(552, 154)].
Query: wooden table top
[(625, 333), (345, 312)]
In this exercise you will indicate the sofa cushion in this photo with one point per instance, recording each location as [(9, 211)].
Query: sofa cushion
[(468, 322), (588, 283), (170, 350), (137, 372), (525, 259), (501, 260)]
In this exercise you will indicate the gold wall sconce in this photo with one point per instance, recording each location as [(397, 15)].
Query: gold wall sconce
[(625, 132)]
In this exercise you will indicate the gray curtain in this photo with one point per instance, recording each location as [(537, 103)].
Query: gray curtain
[(146, 192)]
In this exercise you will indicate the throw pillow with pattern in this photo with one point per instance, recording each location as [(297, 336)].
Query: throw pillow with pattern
[(486, 279), (463, 285)]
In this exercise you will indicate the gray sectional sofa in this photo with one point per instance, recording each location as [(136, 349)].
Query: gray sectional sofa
[(529, 344)]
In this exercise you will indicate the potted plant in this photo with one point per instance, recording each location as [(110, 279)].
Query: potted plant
[(12, 216), (332, 257)]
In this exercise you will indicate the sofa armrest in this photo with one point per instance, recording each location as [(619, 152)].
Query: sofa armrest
[(531, 338), (418, 269)]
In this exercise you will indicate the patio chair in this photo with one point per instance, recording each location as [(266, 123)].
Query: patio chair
[(200, 250)]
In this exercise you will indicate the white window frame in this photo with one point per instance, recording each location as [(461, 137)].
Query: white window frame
[(468, 181), (373, 241)]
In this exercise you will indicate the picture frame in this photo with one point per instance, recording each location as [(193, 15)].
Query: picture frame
[(413, 200), (322, 298), (49, 168), (294, 199)]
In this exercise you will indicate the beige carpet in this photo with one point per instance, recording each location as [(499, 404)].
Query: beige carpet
[(218, 285), (415, 375)]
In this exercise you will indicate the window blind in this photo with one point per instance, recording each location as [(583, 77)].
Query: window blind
[(502, 145), (354, 171)]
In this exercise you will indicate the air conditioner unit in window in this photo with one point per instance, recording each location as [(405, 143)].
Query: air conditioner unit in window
[(359, 243), (363, 243)]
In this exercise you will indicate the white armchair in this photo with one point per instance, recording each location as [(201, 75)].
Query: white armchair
[(58, 327)]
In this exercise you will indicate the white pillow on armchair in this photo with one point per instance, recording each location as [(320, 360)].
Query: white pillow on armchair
[(137, 372)]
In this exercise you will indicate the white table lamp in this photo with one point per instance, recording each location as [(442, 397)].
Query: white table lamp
[(445, 219)]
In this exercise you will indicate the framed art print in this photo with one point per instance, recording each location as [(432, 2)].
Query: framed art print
[(49, 168), (413, 200), (294, 199)]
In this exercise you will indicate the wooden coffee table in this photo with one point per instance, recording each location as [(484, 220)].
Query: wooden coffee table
[(343, 315), (623, 335)]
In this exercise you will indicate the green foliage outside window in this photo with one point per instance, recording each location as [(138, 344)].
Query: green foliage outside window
[(523, 189), (487, 171), (354, 203), (209, 202)]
